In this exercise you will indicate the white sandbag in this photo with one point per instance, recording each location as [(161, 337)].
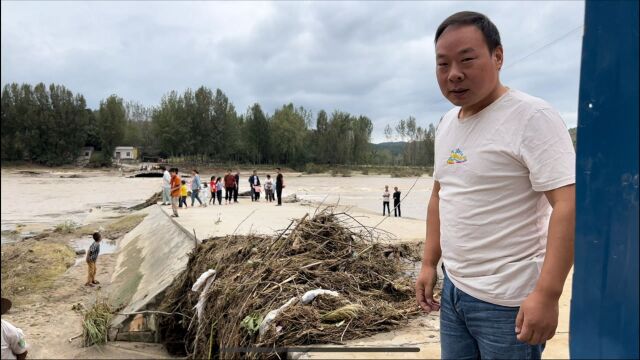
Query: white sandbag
[(312, 294), (207, 279), (273, 314), (202, 279)]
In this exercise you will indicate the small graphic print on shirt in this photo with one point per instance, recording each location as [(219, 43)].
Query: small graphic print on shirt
[(456, 157)]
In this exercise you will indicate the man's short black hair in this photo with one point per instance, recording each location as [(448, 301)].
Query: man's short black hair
[(278, 169), (480, 21), (97, 236)]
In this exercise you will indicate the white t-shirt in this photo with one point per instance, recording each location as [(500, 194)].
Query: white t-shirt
[(12, 341), (493, 168), (166, 179)]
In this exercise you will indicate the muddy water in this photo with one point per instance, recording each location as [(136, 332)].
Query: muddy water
[(363, 191), (37, 201), (32, 202)]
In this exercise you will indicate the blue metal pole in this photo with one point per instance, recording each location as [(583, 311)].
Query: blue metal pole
[(604, 304)]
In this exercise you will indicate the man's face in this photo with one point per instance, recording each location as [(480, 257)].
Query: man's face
[(467, 73)]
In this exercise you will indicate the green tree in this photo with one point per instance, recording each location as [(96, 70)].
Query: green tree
[(256, 125), (111, 126), (288, 135)]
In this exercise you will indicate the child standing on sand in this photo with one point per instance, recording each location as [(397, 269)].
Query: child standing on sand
[(92, 257), (212, 187), (205, 193), (219, 190), (184, 192)]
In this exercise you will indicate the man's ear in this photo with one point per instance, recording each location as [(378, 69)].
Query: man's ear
[(498, 57)]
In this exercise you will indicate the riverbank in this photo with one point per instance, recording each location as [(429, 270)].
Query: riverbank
[(45, 280)]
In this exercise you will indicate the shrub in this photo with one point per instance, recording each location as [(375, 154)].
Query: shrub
[(311, 168), (66, 227), (405, 172)]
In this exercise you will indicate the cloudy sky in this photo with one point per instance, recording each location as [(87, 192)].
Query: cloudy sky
[(370, 58)]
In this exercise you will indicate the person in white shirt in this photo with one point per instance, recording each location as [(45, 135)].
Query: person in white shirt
[(166, 186), (14, 345), (385, 201), (502, 210)]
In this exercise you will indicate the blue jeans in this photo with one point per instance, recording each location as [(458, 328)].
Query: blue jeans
[(195, 196), (474, 329)]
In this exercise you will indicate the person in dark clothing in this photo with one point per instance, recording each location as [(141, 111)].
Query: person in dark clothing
[(254, 184), (235, 193), (279, 186), (229, 186), (219, 187), (396, 202)]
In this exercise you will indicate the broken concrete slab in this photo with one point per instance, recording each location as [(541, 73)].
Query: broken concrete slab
[(149, 258)]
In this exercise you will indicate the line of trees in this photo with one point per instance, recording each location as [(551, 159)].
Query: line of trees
[(50, 125), (419, 147)]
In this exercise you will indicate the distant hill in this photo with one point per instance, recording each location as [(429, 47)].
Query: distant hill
[(395, 147)]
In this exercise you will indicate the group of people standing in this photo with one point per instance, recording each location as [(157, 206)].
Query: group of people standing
[(256, 187), (176, 190), (396, 201)]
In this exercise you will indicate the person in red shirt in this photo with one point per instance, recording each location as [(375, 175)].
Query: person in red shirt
[(212, 188), (230, 187), (175, 190)]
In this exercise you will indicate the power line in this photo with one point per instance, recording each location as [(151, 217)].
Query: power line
[(544, 46)]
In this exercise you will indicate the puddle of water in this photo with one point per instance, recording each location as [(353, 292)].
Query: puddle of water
[(107, 246)]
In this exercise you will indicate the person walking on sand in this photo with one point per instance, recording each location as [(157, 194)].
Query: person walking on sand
[(385, 200), (14, 344), (396, 202), (196, 183), (92, 258), (237, 189), (502, 209), (166, 186), (176, 182), (219, 190), (183, 194), (279, 186), (268, 188), (229, 186), (254, 183)]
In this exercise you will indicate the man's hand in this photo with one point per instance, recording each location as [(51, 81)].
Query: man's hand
[(424, 289), (537, 319)]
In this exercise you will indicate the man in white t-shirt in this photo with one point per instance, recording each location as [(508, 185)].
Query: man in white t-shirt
[(14, 345), (502, 211), (166, 186)]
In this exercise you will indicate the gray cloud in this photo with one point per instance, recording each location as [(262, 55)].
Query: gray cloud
[(371, 58)]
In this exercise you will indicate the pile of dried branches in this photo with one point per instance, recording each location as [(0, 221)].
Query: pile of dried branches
[(258, 274)]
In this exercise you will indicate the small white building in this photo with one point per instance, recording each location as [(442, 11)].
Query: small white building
[(125, 153), (85, 153)]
